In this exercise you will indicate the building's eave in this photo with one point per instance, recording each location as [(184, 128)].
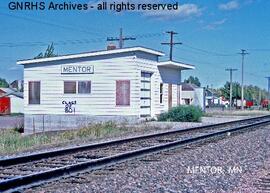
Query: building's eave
[(174, 64), (91, 54)]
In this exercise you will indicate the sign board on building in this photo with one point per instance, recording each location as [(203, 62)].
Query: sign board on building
[(77, 69)]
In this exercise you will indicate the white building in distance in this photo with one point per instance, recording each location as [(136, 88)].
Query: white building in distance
[(15, 101)]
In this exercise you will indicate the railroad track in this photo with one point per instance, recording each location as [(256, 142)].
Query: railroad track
[(27, 171), (263, 184)]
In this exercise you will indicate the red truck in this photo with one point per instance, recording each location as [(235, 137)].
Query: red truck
[(249, 104), (264, 103)]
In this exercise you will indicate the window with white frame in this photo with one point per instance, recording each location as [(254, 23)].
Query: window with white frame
[(84, 87), (70, 87), (74, 87), (34, 92)]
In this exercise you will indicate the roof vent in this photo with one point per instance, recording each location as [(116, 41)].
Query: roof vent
[(111, 46)]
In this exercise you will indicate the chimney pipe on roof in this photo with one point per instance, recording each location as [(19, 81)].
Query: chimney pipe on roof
[(111, 46)]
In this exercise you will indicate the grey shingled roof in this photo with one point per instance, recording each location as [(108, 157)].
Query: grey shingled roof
[(188, 87), (10, 91)]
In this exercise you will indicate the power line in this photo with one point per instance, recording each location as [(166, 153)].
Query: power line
[(66, 42), (148, 35), (268, 89), (171, 43), (260, 49), (62, 42), (206, 51), (188, 60), (39, 21), (243, 53), (121, 39), (194, 52)]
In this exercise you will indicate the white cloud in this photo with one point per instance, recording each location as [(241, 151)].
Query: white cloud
[(231, 5), (184, 11), (214, 25)]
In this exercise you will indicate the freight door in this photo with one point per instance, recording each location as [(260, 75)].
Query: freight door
[(4, 105), (145, 94)]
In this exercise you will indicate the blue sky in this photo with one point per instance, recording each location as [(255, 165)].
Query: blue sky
[(212, 33)]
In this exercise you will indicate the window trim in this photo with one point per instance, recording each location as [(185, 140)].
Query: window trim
[(78, 87), (31, 81), (128, 105), (161, 93), (76, 91)]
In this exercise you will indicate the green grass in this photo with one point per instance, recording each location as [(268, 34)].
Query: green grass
[(16, 114), (12, 141), (213, 113)]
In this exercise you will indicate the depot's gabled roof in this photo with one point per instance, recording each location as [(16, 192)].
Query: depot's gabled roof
[(91, 54), (177, 65)]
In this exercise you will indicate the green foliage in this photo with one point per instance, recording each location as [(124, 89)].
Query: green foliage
[(253, 93), (3, 83), (48, 53), (182, 114), (19, 128), (193, 80), (236, 91), (97, 130), (11, 141)]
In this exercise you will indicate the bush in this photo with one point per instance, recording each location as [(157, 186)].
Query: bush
[(182, 114), (19, 128)]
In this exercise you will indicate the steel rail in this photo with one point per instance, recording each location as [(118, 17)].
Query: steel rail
[(41, 177), (59, 152)]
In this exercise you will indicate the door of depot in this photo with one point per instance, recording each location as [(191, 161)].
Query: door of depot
[(145, 94)]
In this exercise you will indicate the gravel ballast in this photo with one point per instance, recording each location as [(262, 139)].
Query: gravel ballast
[(246, 154)]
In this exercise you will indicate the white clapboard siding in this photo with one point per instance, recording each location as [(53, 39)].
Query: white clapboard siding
[(172, 75), (101, 101), (174, 95), (16, 104)]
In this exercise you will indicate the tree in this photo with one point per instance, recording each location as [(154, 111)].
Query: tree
[(193, 80), (48, 53), (236, 90), (251, 93), (3, 83)]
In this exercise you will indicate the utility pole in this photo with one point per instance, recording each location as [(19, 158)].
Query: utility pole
[(231, 71), (120, 39), (171, 43), (243, 53), (260, 97), (268, 89)]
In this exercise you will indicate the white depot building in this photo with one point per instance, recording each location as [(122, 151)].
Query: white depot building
[(72, 91)]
